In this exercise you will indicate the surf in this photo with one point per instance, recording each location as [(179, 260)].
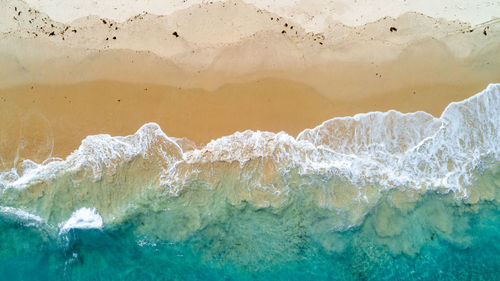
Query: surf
[(354, 158)]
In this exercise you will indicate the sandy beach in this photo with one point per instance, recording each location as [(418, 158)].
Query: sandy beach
[(204, 79), (249, 140), (44, 121)]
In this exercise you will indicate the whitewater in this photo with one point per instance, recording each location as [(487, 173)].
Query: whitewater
[(390, 149), (349, 197)]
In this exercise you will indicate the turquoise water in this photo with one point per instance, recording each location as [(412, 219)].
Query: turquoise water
[(265, 244), (376, 196)]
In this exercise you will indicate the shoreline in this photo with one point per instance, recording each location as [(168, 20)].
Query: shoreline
[(207, 78), (249, 140), (45, 121)]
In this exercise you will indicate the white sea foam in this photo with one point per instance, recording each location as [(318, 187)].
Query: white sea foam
[(20, 214), (390, 149), (414, 150), (99, 155), (84, 218)]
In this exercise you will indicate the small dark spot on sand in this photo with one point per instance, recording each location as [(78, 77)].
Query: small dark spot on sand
[(32, 87), (114, 37), (286, 24), (484, 32), (107, 38), (118, 100), (471, 30), (272, 18), (116, 28), (414, 92), (52, 33), (291, 26), (393, 29), (104, 21), (19, 13), (175, 34), (283, 32), (15, 9), (321, 43), (74, 30)]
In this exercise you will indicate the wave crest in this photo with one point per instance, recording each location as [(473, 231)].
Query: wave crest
[(342, 164)]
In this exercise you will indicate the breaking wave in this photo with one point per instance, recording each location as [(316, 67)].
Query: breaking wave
[(343, 164)]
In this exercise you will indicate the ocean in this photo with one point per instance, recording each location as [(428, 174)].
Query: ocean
[(375, 196)]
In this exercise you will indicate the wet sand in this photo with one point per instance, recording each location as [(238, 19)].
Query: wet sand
[(201, 78), (40, 121)]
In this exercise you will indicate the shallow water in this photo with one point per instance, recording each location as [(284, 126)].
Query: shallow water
[(377, 196), (437, 237)]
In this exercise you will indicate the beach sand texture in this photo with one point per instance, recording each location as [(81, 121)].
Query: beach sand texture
[(249, 140), (211, 69)]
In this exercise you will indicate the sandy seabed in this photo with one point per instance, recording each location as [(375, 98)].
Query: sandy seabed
[(378, 196)]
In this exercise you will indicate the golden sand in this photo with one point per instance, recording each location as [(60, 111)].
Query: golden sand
[(38, 121), (62, 82)]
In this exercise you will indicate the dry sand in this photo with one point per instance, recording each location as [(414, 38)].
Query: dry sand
[(315, 15), (247, 69)]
